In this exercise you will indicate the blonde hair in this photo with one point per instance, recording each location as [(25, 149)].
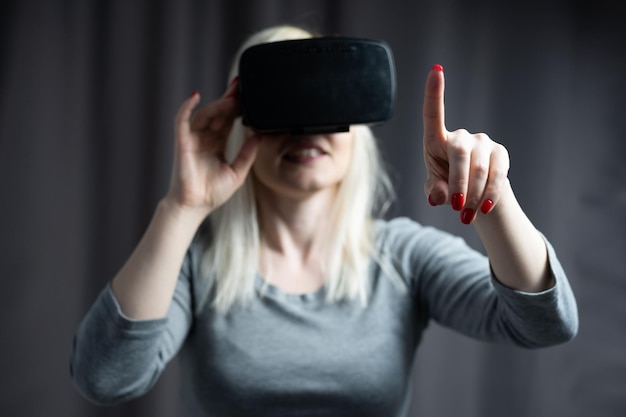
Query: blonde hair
[(230, 262)]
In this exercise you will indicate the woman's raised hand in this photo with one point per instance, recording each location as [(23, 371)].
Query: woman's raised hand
[(467, 171), (201, 177)]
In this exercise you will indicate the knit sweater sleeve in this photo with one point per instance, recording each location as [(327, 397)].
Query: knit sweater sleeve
[(115, 358), (456, 287)]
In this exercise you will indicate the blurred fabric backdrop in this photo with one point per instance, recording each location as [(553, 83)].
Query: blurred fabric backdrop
[(88, 94)]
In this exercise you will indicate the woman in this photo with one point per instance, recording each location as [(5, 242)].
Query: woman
[(292, 298)]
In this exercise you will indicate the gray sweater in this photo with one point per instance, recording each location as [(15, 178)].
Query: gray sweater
[(297, 355)]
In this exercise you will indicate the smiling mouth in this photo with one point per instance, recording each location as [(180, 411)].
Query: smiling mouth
[(303, 155)]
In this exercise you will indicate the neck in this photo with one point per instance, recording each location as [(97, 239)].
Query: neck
[(294, 227)]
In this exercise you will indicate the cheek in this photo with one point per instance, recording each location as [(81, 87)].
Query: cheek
[(265, 161), (346, 153), (260, 164)]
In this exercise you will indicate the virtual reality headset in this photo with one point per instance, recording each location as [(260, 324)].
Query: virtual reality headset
[(317, 85)]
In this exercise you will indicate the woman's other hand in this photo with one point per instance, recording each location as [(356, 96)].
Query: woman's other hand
[(202, 179), (466, 170)]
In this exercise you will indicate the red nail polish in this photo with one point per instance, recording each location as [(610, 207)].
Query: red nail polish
[(195, 93), (458, 201), (437, 67), (430, 201), (232, 90), (467, 216), (486, 206)]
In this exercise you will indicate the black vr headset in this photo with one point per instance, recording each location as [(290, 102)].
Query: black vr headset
[(317, 85)]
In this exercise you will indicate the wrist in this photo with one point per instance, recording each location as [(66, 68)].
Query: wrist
[(180, 213)]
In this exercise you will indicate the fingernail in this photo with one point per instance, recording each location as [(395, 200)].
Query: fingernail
[(437, 67), (232, 89), (430, 200), (194, 93), (467, 216), (458, 201), (486, 206)]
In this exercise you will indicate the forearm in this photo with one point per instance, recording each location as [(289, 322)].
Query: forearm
[(145, 285), (516, 250)]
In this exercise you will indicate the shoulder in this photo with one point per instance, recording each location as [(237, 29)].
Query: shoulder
[(413, 247), (202, 239), (192, 278), (402, 231)]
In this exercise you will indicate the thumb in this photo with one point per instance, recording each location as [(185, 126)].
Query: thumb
[(246, 156)]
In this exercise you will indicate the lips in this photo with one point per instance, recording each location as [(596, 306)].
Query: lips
[(303, 152)]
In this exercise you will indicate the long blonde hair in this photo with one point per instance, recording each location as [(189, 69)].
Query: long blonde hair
[(230, 262)]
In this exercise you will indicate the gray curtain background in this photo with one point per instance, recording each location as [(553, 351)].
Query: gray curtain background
[(88, 93)]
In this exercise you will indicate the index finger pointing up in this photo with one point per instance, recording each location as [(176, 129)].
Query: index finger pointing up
[(434, 110)]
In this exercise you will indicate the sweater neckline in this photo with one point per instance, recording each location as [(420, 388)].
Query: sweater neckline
[(265, 288)]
